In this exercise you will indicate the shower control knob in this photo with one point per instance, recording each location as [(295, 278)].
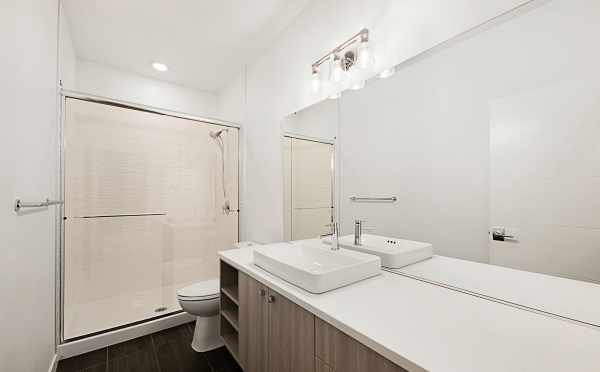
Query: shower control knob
[(271, 299), (262, 292)]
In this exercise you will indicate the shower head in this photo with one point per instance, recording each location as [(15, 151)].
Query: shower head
[(217, 134)]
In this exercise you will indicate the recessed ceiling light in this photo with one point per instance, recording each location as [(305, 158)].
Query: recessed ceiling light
[(160, 66)]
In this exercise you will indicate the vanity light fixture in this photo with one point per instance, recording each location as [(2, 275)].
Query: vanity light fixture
[(354, 51), (159, 66)]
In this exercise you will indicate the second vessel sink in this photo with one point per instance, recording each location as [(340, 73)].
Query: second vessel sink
[(314, 266), (394, 253)]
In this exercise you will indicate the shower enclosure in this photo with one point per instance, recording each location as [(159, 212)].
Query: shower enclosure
[(149, 200)]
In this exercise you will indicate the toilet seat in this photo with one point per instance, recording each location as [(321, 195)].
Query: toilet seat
[(201, 291)]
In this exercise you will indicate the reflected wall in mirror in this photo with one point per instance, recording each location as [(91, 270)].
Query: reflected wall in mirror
[(489, 143), (308, 139)]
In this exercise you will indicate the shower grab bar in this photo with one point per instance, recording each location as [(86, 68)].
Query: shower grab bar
[(19, 204), (390, 199)]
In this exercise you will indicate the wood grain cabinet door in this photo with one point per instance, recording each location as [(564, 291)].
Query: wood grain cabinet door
[(291, 336), (343, 353), (320, 366), (253, 321)]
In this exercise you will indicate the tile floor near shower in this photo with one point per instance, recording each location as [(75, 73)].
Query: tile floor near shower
[(165, 351)]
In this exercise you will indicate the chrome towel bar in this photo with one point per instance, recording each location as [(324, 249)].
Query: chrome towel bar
[(390, 199), (19, 204)]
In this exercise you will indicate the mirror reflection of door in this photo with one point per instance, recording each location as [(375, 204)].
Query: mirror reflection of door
[(308, 193)]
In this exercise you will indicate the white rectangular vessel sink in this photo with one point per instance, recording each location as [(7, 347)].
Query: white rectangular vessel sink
[(315, 267), (394, 253)]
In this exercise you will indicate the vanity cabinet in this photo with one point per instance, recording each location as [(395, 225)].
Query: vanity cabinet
[(321, 366), (254, 346), (340, 352), (275, 334), (266, 332)]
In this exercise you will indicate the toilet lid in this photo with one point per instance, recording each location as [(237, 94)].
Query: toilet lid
[(201, 290)]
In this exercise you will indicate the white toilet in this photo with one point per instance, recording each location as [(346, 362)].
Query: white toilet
[(202, 300)]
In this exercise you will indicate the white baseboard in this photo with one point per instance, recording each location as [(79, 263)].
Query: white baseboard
[(53, 363), (88, 344)]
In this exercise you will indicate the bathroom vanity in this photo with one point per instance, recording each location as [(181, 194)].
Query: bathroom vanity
[(387, 323), (268, 332)]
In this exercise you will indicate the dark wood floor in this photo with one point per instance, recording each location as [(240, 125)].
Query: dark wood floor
[(165, 351)]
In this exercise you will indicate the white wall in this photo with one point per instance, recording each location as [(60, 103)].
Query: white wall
[(422, 136), (545, 158), (317, 121), (68, 58), (545, 170), (28, 159), (110, 82), (278, 83), (231, 100)]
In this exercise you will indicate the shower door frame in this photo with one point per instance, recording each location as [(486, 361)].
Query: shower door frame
[(334, 146), (65, 94)]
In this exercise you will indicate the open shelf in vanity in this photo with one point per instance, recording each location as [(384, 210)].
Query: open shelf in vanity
[(230, 311), (229, 308)]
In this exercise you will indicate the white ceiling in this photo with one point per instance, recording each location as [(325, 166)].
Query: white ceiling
[(205, 43)]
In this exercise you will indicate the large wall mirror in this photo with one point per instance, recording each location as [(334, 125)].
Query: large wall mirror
[(489, 145)]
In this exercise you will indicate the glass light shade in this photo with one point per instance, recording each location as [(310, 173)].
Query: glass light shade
[(364, 55), (315, 81), (337, 73)]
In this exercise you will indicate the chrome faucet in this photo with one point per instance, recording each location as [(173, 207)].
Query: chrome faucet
[(335, 236), (335, 241), (358, 227)]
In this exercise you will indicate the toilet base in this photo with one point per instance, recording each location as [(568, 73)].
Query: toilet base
[(206, 334)]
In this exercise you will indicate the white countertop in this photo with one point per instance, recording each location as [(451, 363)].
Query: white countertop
[(568, 298), (421, 326)]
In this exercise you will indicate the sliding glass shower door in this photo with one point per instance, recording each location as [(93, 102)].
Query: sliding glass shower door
[(149, 200)]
